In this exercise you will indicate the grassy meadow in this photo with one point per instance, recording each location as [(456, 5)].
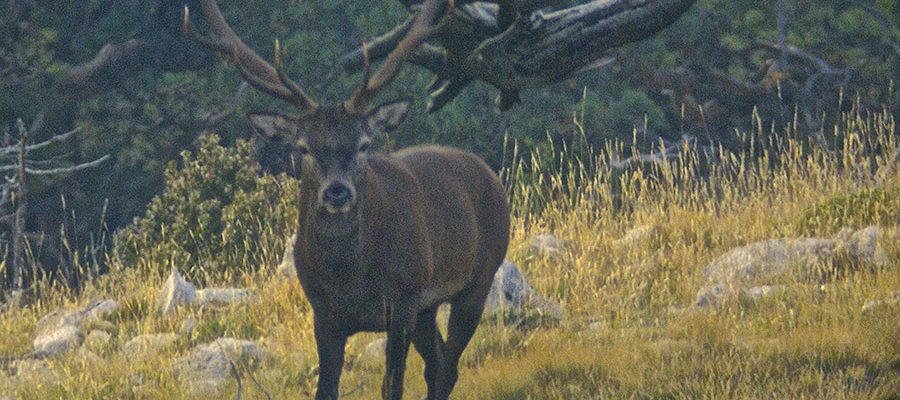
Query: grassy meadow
[(629, 331)]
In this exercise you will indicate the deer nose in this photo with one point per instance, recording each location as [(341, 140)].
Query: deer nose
[(337, 194)]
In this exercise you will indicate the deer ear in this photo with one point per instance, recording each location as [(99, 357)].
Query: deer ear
[(274, 127), (388, 116)]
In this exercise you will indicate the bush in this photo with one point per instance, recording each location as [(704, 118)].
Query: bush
[(871, 206), (217, 216)]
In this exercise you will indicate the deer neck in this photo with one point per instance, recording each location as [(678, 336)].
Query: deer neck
[(333, 240)]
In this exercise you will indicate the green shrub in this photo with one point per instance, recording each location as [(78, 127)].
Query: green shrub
[(217, 216), (870, 206)]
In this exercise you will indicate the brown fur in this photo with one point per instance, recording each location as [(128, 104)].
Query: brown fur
[(427, 225)]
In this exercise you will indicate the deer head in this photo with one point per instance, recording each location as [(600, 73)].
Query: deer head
[(331, 140)]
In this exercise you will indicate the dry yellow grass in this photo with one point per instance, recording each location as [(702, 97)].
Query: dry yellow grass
[(809, 342)]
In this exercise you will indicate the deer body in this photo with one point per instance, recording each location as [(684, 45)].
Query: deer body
[(431, 226)]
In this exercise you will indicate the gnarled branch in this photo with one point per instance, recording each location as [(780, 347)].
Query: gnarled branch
[(538, 48)]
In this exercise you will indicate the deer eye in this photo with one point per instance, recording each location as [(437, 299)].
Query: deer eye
[(302, 149), (363, 147)]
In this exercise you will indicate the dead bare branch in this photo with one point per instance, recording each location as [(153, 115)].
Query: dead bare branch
[(537, 49)]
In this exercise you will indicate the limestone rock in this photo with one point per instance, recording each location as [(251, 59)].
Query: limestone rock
[(636, 235), (719, 294), (762, 262), (511, 292), (59, 341), (221, 296), (176, 291), (794, 259), (547, 245), (375, 351), (286, 267), (34, 372), (147, 346), (93, 312), (207, 366)]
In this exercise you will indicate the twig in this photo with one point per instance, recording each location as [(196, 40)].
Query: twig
[(234, 372), (58, 171), (55, 139)]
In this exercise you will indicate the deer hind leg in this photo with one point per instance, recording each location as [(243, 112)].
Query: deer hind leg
[(465, 314), (430, 346)]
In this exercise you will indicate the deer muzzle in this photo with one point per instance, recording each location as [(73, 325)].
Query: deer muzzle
[(337, 197)]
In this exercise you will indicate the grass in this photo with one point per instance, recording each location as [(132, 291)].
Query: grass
[(628, 332)]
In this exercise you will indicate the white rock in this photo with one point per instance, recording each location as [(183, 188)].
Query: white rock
[(873, 305), (147, 346), (636, 234), (34, 372), (93, 312), (863, 246), (207, 366), (798, 259), (510, 292), (547, 245), (770, 259), (713, 295), (221, 296), (59, 341), (596, 326), (759, 292), (375, 350), (176, 291), (286, 267)]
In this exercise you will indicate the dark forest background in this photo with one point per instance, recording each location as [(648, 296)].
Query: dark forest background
[(139, 91)]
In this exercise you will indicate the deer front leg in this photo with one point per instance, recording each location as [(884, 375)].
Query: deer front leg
[(400, 319), (330, 346)]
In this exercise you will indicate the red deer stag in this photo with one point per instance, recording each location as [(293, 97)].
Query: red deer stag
[(384, 239)]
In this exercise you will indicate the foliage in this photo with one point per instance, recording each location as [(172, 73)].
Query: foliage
[(216, 218), (859, 209)]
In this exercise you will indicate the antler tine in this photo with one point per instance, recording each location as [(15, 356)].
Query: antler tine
[(366, 72), (253, 68), (423, 28)]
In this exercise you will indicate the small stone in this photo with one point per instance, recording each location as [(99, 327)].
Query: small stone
[(207, 366), (511, 292), (713, 295), (221, 297), (146, 346), (758, 292), (93, 312), (176, 291), (286, 267), (547, 245), (59, 341), (375, 350), (636, 234), (34, 372), (597, 326)]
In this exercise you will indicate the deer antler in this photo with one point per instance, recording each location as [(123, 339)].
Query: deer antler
[(425, 26), (253, 68)]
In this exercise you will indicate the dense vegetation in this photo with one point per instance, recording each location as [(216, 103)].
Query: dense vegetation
[(701, 77)]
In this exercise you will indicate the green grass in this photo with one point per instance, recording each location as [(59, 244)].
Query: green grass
[(811, 341)]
